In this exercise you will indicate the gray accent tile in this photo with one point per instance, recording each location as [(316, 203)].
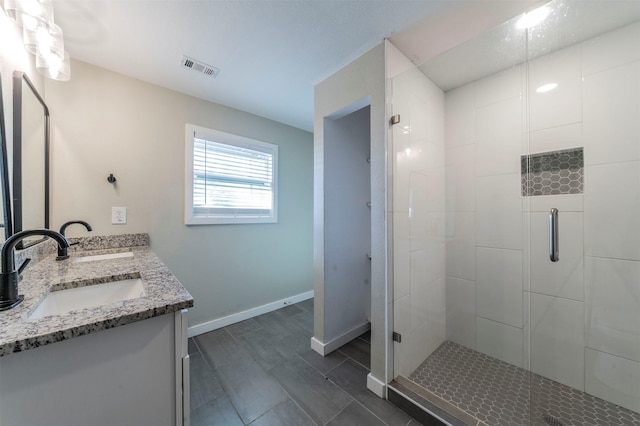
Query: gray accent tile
[(355, 415), (285, 414), (215, 413), (553, 173), (315, 394), (498, 393), (204, 386)]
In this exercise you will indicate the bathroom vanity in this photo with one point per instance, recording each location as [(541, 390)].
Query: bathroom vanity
[(115, 355)]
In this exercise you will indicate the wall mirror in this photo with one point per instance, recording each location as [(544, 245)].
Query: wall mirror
[(30, 158), (4, 176)]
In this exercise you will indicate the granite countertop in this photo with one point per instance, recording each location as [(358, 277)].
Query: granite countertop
[(164, 293)]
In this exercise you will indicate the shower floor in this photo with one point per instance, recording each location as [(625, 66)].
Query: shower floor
[(494, 392)]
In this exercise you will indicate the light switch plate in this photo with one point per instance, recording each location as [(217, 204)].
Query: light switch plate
[(118, 215)]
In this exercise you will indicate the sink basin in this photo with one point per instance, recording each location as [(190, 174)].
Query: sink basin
[(92, 258), (63, 301)]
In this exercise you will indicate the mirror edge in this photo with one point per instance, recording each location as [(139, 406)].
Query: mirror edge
[(4, 171), (18, 78)]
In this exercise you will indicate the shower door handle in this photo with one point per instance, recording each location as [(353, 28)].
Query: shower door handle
[(553, 235)]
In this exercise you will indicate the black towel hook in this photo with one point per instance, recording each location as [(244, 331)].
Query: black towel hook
[(111, 178)]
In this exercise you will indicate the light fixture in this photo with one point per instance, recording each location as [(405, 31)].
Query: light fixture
[(41, 36), (54, 67), (30, 14), (546, 87), (44, 41), (533, 18)]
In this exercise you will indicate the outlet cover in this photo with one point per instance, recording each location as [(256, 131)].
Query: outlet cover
[(118, 215)]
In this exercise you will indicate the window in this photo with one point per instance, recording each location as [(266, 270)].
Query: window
[(229, 178)]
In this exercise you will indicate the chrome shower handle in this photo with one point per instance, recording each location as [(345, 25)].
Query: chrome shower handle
[(553, 235)]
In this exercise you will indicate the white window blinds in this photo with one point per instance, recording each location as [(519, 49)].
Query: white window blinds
[(232, 179)]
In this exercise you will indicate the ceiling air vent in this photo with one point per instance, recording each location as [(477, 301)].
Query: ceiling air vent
[(196, 65)]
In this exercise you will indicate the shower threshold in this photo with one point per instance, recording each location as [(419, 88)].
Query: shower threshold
[(464, 387)]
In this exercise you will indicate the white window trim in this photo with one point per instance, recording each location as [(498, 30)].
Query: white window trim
[(191, 131)]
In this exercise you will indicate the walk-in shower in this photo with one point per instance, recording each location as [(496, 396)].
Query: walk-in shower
[(516, 222)]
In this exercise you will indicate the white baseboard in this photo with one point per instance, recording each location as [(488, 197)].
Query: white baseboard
[(326, 348), (249, 313), (376, 386)]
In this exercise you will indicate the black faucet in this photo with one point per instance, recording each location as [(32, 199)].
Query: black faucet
[(62, 251), (9, 276)]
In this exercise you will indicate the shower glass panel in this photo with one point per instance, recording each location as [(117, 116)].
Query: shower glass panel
[(516, 222)]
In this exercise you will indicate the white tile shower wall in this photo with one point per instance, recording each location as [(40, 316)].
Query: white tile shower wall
[(611, 50), (500, 341), (461, 246), (613, 378), (613, 306), (461, 311), (562, 105), (611, 211), (556, 138), (499, 212), (612, 114), (460, 116), (557, 339), (611, 105), (596, 105), (418, 150), (499, 285), (498, 137), (460, 175)]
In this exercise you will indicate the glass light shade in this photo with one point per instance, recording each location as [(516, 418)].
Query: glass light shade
[(44, 41), (54, 67), (30, 13)]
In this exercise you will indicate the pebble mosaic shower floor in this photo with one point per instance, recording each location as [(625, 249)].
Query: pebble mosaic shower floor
[(500, 394)]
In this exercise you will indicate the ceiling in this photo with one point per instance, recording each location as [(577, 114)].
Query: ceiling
[(270, 53)]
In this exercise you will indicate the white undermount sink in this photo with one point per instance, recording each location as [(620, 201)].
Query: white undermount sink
[(62, 301), (92, 258)]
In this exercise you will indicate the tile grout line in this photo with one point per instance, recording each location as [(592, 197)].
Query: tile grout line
[(222, 388)]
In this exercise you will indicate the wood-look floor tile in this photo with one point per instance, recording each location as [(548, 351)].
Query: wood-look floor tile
[(215, 413), (204, 386), (355, 415), (352, 378), (359, 351), (252, 391), (317, 396), (285, 414)]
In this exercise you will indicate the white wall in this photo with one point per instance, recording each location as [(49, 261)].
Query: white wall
[(359, 83), (574, 321), (347, 223), (103, 122)]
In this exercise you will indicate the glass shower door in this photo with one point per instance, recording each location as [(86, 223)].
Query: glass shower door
[(499, 320), (582, 175)]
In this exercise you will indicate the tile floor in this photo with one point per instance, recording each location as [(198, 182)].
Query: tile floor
[(497, 393), (262, 372)]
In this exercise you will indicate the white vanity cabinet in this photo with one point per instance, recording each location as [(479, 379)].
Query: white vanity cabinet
[(134, 374)]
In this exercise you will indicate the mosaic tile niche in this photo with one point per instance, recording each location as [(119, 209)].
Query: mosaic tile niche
[(553, 173)]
